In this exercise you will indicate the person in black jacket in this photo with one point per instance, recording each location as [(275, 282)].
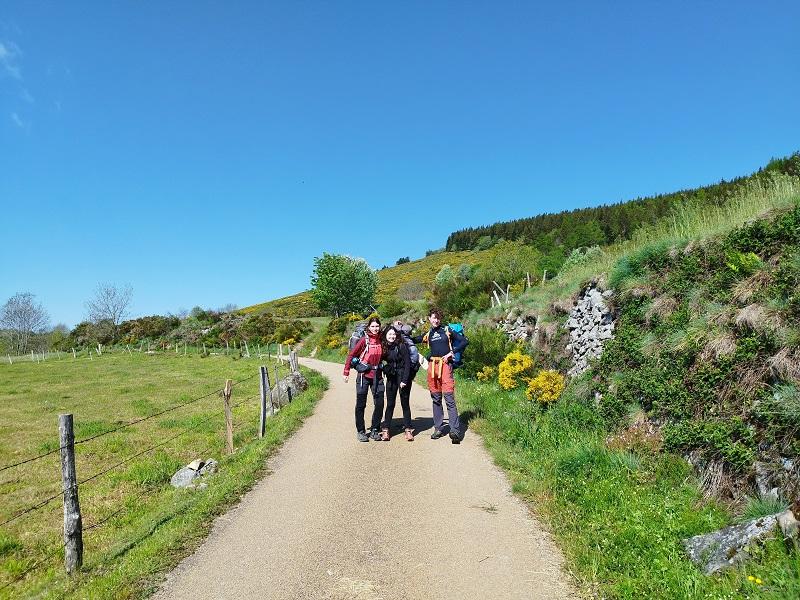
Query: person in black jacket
[(444, 343), (397, 369)]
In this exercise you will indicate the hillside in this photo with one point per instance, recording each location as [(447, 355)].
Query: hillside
[(408, 281), (553, 236)]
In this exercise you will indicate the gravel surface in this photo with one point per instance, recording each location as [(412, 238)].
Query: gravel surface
[(341, 519)]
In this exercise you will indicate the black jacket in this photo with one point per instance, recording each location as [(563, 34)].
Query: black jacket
[(397, 362)]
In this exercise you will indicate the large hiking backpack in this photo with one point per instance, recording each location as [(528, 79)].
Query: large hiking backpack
[(413, 352), (458, 329), (360, 332)]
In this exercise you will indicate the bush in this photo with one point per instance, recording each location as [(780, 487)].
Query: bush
[(392, 307), (487, 373), (546, 387), (513, 369), (487, 348)]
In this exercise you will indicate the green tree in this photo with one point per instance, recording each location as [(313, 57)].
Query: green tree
[(342, 284)]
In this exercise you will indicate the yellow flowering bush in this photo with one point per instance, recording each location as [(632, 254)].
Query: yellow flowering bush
[(486, 373), (353, 317), (514, 365), (334, 342), (289, 341), (546, 387)]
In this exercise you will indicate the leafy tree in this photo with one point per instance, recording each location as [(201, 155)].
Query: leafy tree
[(403, 259), (342, 284)]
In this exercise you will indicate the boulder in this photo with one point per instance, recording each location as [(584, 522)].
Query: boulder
[(185, 476), (729, 546)]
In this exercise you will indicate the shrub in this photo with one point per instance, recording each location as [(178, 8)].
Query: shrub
[(546, 387), (392, 307), (488, 346), (742, 263), (513, 368), (486, 373)]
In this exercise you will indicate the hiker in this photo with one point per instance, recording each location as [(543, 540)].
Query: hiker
[(444, 344), (365, 357), (397, 368)]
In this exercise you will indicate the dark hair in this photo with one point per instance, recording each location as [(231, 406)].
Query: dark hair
[(373, 319), (437, 312), (385, 343)]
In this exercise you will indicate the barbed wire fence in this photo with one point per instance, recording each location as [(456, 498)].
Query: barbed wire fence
[(246, 350), (273, 394)]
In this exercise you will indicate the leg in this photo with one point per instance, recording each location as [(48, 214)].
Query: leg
[(391, 400), (435, 387), (361, 404), (449, 391), (405, 397), (377, 398)]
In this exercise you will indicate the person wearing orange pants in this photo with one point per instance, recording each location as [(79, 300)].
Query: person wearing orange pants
[(443, 343)]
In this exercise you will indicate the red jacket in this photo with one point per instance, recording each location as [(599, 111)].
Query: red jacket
[(372, 356)]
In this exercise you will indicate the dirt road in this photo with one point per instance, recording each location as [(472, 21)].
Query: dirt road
[(341, 519)]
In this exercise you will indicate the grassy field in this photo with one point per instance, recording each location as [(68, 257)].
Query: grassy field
[(144, 525)]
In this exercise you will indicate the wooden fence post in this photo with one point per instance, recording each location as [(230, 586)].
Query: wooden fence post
[(73, 527), (265, 390), (226, 399), (277, 389)]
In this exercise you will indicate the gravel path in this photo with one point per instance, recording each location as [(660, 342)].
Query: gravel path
[(341, 519)]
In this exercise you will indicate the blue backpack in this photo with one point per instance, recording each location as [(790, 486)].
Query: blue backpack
[(458, 329)]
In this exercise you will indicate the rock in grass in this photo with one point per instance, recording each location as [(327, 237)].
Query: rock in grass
[(789, 525), (185, 477), (727, 547)]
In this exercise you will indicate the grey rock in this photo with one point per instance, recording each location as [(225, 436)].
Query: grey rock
[(727, 547), (790, 526), (184, 477), (209, 467)]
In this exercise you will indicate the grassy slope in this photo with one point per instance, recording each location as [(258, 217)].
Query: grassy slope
[(620, 515), (158, 524), (390, 280)]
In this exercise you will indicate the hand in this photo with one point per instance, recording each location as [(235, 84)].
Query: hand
[(402, 384), (345, 377), (446, 358)]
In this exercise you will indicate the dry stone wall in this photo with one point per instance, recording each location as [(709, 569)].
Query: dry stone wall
[(590, 324)]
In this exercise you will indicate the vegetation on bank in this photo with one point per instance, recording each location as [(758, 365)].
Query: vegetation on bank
[(157, 525)]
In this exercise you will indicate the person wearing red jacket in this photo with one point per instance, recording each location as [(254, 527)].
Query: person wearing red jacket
[(365, 357)]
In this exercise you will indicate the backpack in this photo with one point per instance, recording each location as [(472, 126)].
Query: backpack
[(458, 329), (360, 332), (413, 353)]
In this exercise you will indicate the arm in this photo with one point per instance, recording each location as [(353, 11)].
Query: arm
[(357, 349), (459, 341), (405, 368)]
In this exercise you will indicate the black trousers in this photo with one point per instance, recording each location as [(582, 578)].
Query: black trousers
[(392, 387), (364, 385)]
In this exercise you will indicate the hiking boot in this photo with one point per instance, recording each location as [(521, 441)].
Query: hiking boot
[(456, 437), (362, 436), (375, 435), (436, 434)]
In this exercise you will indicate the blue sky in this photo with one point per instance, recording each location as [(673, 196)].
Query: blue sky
[(205, 153)]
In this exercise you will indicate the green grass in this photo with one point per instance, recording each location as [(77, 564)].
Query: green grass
[(618, 517), (157, 524)]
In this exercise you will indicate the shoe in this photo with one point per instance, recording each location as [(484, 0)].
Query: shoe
[(436, 434), (456, 437), (375, 435), (362, 436), (409, 435), (384, 435)]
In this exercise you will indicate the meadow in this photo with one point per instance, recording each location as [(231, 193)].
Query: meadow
[(138, 418)]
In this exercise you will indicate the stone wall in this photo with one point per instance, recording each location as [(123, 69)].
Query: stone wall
[(590, 324)]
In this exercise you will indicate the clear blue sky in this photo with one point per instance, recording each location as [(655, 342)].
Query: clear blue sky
[(204, 153)]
